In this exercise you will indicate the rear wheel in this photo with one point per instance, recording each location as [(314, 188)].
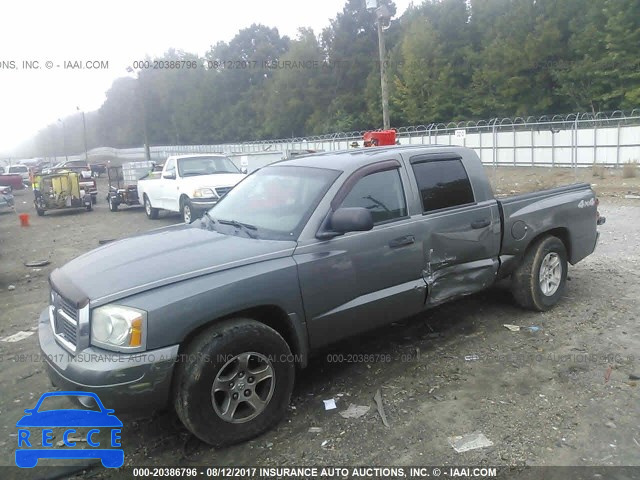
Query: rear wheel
[(89, 207), (113, 206), (234, 383), (539, 282), (151, 212)]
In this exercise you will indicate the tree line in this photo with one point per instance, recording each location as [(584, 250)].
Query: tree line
[(446, 60)]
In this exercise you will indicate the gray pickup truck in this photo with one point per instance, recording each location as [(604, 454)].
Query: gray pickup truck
[(214, 317)]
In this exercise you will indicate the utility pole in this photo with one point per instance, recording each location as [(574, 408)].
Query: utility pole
[(383, 77), (383, 17), (84, 135), (64, 140)]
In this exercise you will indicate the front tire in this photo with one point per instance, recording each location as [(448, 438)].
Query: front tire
[(539, 282), (151, 212), (234, 383), (187, 211)]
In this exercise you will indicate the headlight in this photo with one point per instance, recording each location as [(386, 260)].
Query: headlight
[(203, 193), (119, 328)]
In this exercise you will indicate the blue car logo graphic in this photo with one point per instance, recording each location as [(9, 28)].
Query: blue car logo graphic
[(32, 447)]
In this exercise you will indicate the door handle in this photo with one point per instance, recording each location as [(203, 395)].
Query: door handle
[(480, 223), (402, 241)]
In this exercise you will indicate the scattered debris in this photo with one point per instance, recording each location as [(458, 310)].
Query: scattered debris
[(607, 374), (636, 441), (468, 442), (355, 411), (634, 376), (315, 430), (102, 242), (512, 328), (610, 425), (378, 399), (11, 287), (325, 444), (533, 329), (37, 263), (471, 358), (632, 197), (16, 337), (330, 404), (269, 445)]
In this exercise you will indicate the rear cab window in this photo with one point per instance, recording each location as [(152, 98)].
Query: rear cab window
[(443, 183)]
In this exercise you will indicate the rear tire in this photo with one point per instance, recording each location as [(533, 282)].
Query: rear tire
[(234, 383), (113, 206), (539, 281), (89, 207), (151, 212)]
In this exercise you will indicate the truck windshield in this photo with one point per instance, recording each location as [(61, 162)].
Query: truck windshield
[(193, 166), (276, 200)]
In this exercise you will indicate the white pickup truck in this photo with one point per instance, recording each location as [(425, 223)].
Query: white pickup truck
[(189, 184)]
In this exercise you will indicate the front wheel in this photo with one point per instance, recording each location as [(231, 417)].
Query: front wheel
[(540, 280), (151, 212), (234, 383), (187, 211)]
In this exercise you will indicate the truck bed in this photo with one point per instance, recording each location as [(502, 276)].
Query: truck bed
[(569, 212)]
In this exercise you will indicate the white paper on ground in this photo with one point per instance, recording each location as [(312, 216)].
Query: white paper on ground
[(468, 442), (330, 404), (16, 337)]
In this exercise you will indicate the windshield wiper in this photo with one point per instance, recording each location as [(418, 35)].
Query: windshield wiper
[(377, 202), (248, 228)]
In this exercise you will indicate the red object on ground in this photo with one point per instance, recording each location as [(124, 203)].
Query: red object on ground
[(379, 138), (24, 219)]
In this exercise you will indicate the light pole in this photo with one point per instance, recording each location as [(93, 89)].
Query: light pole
[(64, 140), (84, 135), (141, 99), (383, 17)]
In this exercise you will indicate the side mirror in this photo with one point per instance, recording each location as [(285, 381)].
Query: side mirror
[(344, 220), (169, 176), (244, 170)]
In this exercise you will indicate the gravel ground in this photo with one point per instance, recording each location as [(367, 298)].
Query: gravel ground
[(560, 395)]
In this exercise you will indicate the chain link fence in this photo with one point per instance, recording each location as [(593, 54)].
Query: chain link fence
[(573, 140)]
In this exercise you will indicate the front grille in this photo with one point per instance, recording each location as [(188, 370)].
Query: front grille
[(222, 191), (65, 319)]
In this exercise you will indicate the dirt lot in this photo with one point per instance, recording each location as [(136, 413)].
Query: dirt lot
[(561, 395)]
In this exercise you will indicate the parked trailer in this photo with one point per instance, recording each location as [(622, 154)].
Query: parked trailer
[(123, 183)]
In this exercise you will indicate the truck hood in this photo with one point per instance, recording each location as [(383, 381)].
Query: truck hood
[(211, 181), (156, 258)]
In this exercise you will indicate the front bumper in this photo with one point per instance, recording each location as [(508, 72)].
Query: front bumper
[(6, 201), (125, 382), (202, 204)]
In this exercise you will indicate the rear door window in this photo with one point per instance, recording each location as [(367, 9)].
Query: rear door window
[(443, 184)]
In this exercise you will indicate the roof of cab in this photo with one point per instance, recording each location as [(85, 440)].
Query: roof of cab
[(355, 158)]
